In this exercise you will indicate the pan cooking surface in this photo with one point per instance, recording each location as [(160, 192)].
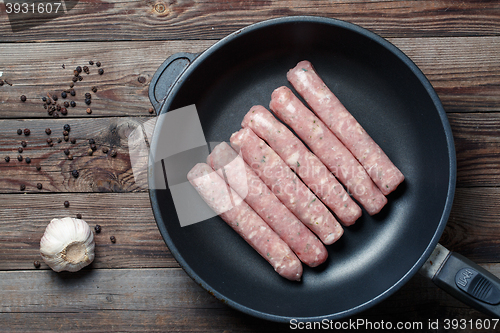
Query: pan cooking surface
[(397, 107)]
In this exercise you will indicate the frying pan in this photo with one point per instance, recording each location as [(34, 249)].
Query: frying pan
[(397, 106)]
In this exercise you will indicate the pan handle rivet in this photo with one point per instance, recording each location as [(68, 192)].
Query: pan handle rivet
[(160, 7)]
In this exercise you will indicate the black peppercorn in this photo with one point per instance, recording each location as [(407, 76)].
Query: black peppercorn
[(65, 133), (66, 204), (20, 158), (75, 173), (88, 101), (86, 69), (93, 147), (59, 140), (1, 82), (38, 168), (71, 85), (28, 160), (19, 131), (94, 89), (56, 115), (44, 99), (64, 111), (80, 78), (24, 144), (48, 131), (66, 138), (98, 64), (113, 239), (22, 187), (105, 150), (39, 186), (100, 71), (66, 151), (36, 263), (78, 69), (66, 104), (97, 229), (89, 111), (49, 141), (27, 131), (23, 98), (79, 216), (76, 73), (45, 106), (73, 140), (72, 103), (20, 150), (88, 95), (90, 152), (54, 97), (91, 62), (64, 94), (74, 79), (7, 159), (113, 153), (66, 127), (151, 110)]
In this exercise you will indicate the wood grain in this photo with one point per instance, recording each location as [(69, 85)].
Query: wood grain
[(128, 217), (472, 229), (167, 300), (114, 20)]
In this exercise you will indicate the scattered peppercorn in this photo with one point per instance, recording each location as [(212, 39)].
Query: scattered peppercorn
[(64, 111), (88, 101), (19, 131), (56, 115), (66, 151), (54, 97), (75, 173), (66, 127), (7, 159), (74, 79), (48, 131), (66, 204), (98, 64), (1, 82), (93, 147), (72, 92), (66, 138), (79, 216), (78, 69), (113, 153), (151, 110), (86, 69), (97, 229), (20, 158), (64, 94), (72, 103), (49, 141), (20, 149), (28, 160), (59, 140), (27, 131), (73, 140), (91, 62), (91, 141), (80, 78), (65, 133), (90, 152), (66, 104), (44, 99), (58, 107), (24, 144), (141, 79), (71, 85), (23, 98), (38, 168), (100, 71), (22, 187), (89, 111), (113, 239), (105, 150), (94, 89), (88, 95), (36, 263), (39, 186), (70, 157)]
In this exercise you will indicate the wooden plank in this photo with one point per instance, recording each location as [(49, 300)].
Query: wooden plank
[(202, 19), (464, 71), (167, 300), (472, 229), (128, 217)]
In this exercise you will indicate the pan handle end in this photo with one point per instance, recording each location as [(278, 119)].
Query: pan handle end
[(470, 283), (166, 75)]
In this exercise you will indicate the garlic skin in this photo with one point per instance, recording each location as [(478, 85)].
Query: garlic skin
[(67, 244)]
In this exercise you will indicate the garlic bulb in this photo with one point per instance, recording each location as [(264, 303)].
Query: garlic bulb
[(67, 244)]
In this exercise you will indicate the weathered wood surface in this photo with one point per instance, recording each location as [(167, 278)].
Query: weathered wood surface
[(465, 72), (205, 19), (167, 300)]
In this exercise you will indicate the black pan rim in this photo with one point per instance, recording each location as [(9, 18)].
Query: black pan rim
[(451, 157)]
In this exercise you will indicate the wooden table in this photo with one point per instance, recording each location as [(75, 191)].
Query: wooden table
[(135, 284)]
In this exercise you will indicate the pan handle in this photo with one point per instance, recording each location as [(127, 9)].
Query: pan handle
[(166, 76), (468, 282)]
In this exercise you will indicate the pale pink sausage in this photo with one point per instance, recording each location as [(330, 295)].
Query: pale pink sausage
[(241, 178), (327, 147), (305, 164), (285, 184), (243, 219), (328, 107)]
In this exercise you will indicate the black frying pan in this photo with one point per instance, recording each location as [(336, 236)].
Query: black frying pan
[(391, 99)]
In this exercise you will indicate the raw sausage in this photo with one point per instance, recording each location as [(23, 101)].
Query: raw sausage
[(245, 221)]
